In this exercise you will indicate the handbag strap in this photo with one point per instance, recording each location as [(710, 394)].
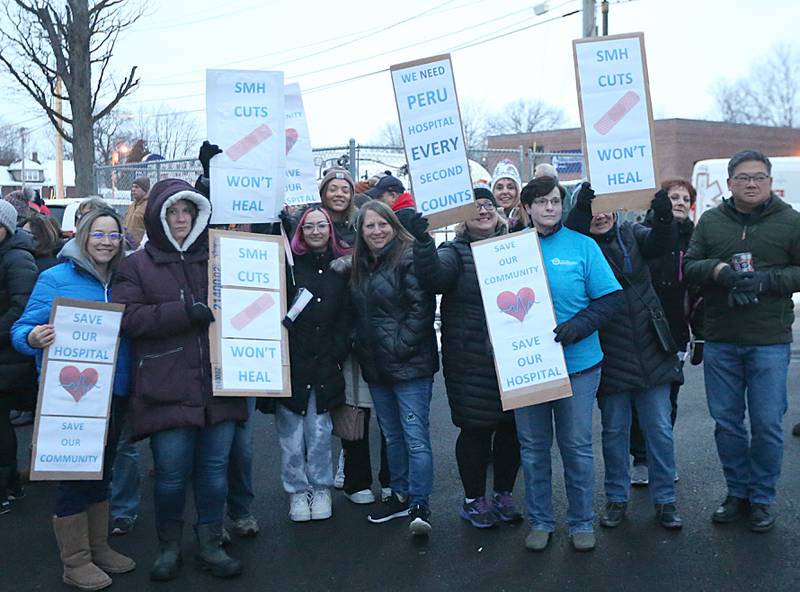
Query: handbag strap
[(630, 283)]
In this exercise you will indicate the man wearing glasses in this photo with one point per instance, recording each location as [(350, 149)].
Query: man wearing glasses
[(746, 254)]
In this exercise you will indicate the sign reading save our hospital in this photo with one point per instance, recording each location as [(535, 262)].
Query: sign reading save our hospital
[(75, 390), (519, 313), (430, 122), (301, 179), (245, 118), (247, 292), (617, 120)]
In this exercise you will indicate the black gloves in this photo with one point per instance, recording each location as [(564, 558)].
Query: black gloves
[(584, 197), (200, 315), (573, 330), (207, 151), (757, 282), (727, 277), (662, 207), (418, 227), (286, 223)]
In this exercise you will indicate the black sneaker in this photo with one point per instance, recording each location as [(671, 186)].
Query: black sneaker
[(796, 430), (668, 517), (614, 515), (731, 510), (5, 506), (394, 508), (420, 521), (761, 520), (122, 526)]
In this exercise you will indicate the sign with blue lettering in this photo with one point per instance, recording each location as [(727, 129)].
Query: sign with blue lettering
[(245, 117), (301, 178), (530, 365), (69, 446), (430, 121), (617, 120), (250, 264), (252, 365)]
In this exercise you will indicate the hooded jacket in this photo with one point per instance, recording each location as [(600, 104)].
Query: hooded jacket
[(157, 284), (17, 277), (75, 278)]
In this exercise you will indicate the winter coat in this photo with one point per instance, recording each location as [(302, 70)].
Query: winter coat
[(467, 356), (319, 339), (17, 277), (772, 235), (393, 316), (633, 358), (75, 278), (157, 284)]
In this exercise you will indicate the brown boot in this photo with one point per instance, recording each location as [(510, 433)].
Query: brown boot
[(72, 536), (104, 556)]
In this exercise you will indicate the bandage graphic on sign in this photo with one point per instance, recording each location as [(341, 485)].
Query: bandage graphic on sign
[(252, 311), (618, 110), (250, 141)]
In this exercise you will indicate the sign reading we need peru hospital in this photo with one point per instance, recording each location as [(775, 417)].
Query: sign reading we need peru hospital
[(247, 293), (430, 122), (245, 117), (75, 389), (530, 365), (617, 120)]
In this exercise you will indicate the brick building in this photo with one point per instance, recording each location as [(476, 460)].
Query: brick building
[(679, 143)]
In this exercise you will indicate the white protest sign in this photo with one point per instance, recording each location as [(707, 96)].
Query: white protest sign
[(617, 120), (69, 445), (252, 365), (519, 312), (245, 117), (77, 389), (430, 122), (253, 314), (301, 179), (87, 335), (250, 264)]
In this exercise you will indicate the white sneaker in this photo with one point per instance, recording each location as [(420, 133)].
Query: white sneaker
[(386, 494), (365, 496), (299, 509), (321, 504), (338, 480)]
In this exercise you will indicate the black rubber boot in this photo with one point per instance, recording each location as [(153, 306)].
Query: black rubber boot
[(210, 555), (168, 563)]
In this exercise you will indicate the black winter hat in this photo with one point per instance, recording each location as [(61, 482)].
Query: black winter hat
[(483, 192)]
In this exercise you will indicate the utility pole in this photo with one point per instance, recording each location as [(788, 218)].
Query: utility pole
[(604, 10), (59, 146), (22, 131), (589, 27)]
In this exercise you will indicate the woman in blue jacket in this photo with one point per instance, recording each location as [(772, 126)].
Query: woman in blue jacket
[(81, 514)]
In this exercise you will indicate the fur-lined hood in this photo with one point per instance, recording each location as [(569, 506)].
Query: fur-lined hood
[(164, 194)]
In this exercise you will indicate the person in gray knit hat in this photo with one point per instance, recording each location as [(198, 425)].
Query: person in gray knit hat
[(8, 216), (336, 190)]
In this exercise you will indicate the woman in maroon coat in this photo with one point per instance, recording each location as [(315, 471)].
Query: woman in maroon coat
[(164, 287)]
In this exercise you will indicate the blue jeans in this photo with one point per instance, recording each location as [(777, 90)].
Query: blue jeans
[(573, 426), (403, 408), (240, 469), (126, 478), (751, 378), (654, 410), (202, 453)]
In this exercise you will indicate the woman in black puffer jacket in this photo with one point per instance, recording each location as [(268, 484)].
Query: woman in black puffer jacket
[(469, 369), (396, 348)]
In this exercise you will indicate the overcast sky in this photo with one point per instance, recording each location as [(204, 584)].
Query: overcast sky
[(690, 45)]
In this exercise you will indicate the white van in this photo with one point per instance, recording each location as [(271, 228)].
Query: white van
[(710, 179)]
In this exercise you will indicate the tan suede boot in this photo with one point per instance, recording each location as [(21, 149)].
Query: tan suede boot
[(72, 536), (104, 556)]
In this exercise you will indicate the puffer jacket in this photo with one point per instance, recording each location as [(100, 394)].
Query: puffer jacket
[(393, 316), (75, 278), (157, 284), (467, 357), (17, 277)]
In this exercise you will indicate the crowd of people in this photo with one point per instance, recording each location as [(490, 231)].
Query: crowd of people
[(633, 301)]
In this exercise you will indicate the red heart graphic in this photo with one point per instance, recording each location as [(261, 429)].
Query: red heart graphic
[(77, 383), (291, 138), (517, 305)]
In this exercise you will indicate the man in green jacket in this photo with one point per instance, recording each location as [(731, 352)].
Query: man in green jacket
[(746, 255)]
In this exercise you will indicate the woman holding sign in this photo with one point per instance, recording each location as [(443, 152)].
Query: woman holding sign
[(164, 287), (81, 515), (486, 431), (585, 295), (396, 347)]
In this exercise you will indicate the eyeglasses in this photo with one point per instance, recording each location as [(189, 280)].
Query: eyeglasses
[(543, 201), (487, 206), (758, 179), (114, 237), (310, 227)]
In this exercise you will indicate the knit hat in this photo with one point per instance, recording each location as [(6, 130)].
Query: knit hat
[(505, 169), (143, 183), (19, 202), (483, 192), (8, 216), (335, 173)]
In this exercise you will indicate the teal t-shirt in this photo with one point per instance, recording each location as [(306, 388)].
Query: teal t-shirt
[(578, 273)]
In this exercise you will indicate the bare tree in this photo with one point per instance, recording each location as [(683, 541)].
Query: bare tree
[(109, 133), (526, 116), (768, 95), (389, 135), (42, 41), (9, 144), (172, 134)]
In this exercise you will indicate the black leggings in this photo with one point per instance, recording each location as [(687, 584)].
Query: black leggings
[(357, 462), (8, 439), (474, 449)]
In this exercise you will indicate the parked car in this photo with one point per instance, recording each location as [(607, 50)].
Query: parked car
[(64, 210)]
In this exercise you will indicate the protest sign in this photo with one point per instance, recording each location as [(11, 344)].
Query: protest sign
[(617, 120), (301, 179), (245, 117), (430, 121), (247, 292), (530, 365), (75, 390)]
